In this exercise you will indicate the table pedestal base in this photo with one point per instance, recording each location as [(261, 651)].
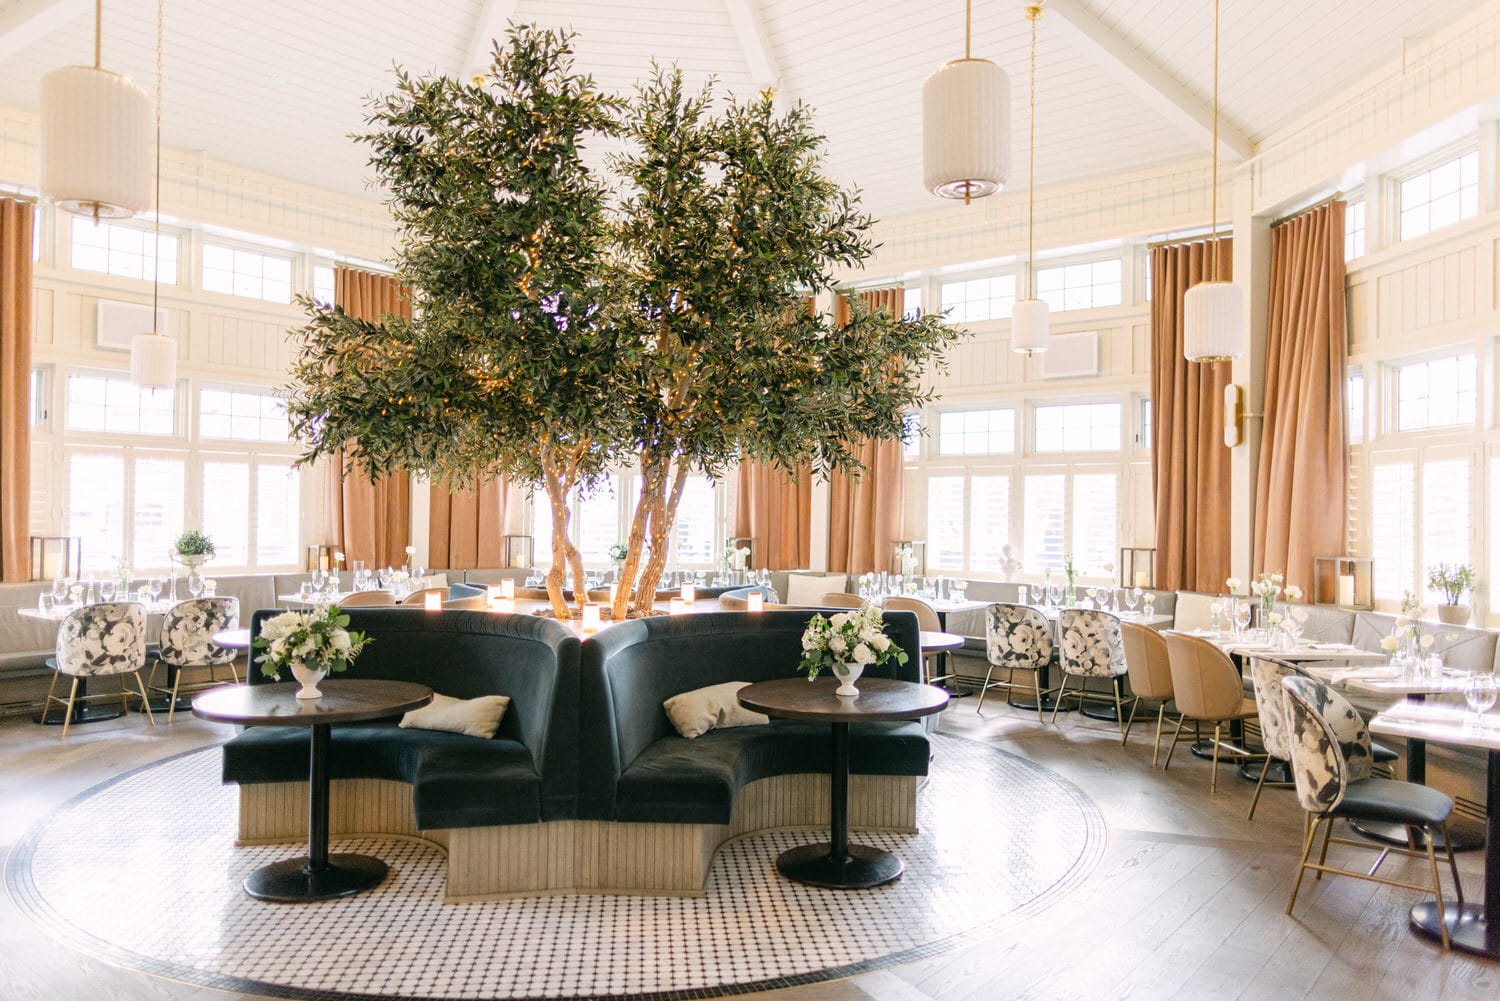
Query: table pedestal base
[(861, 869), (1467, 928), (294, 881), (1048, 704)]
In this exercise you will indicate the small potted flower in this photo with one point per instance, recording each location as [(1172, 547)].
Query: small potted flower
[(312, 644), (1453, 581), (847, 643), (192, 549)]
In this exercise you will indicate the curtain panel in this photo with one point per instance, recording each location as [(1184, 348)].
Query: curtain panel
[(370, 521), (1301, 483), (1189, 462), (776, 511), (15, 389), (467, 526), (865, 515)]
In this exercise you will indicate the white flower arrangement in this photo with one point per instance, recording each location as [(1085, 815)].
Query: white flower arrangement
[(856, 637), (1389, 643), (1293, 592), (1268, 585), (1233, 585), (320, 640), (337, 559)]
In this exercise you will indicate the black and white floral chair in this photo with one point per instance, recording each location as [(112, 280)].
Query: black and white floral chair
[(1089, 645), (187, 631), (1016, 638), (95, 641), (1331, 761)]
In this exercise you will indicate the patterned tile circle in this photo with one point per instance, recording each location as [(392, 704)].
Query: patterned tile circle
[(143, 870)]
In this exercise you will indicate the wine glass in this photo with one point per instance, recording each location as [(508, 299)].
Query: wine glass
[(1479, 693), (153, 587), (60, 589), (1132, 598), (195, 584), (305, 592), (960, 589), (1054, 595), (107, 590), (1242, 612)]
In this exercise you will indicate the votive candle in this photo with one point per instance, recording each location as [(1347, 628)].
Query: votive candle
[(1142, 579), (677, 606), (502, 604), (432, 601), (507, 588), (755, 602), (591, 617), (688, 591)]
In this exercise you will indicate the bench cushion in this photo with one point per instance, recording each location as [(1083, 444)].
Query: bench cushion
[(682, 781)]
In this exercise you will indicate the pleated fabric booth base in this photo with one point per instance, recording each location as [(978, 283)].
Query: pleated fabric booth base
[(142, 871)]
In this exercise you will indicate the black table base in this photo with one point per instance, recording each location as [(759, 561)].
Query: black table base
[(53, 715), (861, 868), (295, 881), (1048, 704), (1467, 928)]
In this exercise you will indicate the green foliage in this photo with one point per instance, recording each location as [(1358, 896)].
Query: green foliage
[(1453, 579), (194, 543), (319, 639), (855, 637)]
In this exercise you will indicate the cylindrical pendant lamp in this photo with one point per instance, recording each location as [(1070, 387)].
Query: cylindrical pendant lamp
[(96, 140), (965, 129), (1030, 324), (153, 361), (1213, 322)]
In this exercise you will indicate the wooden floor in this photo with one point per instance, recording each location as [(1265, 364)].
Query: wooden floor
[(1187, 902)]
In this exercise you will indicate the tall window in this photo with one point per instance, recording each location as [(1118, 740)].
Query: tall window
[(247, 273), (158, 509), (1441, 196), (978, 299), (1445, 516), (1354, 230), (1438, 393), (96, 506), (911, 301), (1393, 527), (1078, 427), (945, 522), (122, 250), (1080, 286), (696, 529), (596, 521), (109, 402), (1043, 532), (989, 521), (323, 284), (237, 415), (977, 432), (1355, 400)]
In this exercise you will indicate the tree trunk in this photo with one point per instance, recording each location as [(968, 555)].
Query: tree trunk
[(563, 551), (663, 517), (652, 475)]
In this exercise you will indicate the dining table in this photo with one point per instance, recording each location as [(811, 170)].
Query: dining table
[(1472, 927)]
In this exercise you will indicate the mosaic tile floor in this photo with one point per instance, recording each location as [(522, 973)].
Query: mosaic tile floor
[(142, 870)]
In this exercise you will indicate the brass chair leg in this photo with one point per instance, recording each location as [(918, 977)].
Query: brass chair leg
[(1175, 734), (68, 712), (1437, 890), (1161, 716), (124, 695), (1323, 855), (1134, 705), (1036, 686), (146, 702), (177, 683), (1058, 704), (1458, 886), (1213, 779), (1120, 710), (47, 706), (1261, 784), (1309, 832), (983, 689)]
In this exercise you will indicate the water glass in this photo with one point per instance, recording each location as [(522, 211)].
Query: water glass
[(45, 602), (960, 589), (152, 587), (195, 584), (60, 589), (1054, 595), (305, 592), (1479, 693), (1242, 612), (106, 590), (1023, 595)]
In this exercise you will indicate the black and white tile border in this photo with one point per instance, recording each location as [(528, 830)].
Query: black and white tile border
[(142, 871)]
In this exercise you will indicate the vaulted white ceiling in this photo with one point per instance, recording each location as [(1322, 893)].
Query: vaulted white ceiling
[(278, 85)]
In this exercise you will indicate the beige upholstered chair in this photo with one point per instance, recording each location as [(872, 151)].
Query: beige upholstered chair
[(927, 622), (1016, 638), (1207, 688), (841, 599), (418, 598), (364, 598), (187, 631), (1089, 646), (1150, 673), (98, 640)]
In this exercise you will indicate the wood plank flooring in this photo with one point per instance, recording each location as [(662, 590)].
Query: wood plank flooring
[(1187, 902)]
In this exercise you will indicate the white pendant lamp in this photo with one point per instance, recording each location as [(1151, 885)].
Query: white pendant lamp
[(95, 150), (153, 356), (1031, 318), (1213, 317), (965, 131)]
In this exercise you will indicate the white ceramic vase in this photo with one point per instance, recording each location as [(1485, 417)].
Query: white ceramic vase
[(847, 674), (309, 678)]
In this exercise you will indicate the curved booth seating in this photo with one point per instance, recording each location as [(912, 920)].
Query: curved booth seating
[(457, 781), (736, 598)]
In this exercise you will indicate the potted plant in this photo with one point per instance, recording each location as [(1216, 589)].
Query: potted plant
[(1453, 580), (312, 644), (847, 643), (192, 549)]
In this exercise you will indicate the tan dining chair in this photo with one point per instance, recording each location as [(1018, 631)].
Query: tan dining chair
[(1207, 689), (418, 597), (1149, 670), (841, 599), (359, 599), (927, 622)]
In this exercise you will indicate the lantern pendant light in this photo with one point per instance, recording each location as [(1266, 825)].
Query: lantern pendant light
[(1030, 318), (965, 127), (95, 148), (153, 356), (1213, 311)]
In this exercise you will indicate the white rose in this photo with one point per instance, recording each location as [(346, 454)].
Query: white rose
[(863, 654), (809, 642), (837, 644), (1426, 641), (1293, 592), (1389, 644), (1274, 618), (1233, 584), (881, 643), (340, 643), (839, 620), (411, 550), (868, 634)]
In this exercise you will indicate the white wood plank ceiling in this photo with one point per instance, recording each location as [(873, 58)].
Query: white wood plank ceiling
[(278, 85)]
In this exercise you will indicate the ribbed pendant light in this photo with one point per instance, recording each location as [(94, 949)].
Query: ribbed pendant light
[(965, 125), (1031, 318)]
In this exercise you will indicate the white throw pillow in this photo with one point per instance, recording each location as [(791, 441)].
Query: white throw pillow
[(703, 709), (476, 717), (808, 589)]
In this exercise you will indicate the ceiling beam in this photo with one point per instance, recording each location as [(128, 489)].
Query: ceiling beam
[(30, 21), (1115, 55), (494, 18), (750, 29)]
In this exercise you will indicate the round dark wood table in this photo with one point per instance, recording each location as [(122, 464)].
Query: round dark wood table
[(837, 864), (317, 875)]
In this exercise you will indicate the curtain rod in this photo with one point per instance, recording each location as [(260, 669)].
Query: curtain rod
[(1336, 196), (1183, 241)]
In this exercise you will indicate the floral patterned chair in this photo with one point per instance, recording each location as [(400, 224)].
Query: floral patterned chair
[(98, 640), (1016, 638), (1331, 761), (1090, 646), (187, 631)]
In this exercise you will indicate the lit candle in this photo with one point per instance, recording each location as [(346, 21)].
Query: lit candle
[(591, 616), (1142, 579), (1346, 589), (507, 588), (432, 601), (502, 605), (677, 606), (755, 602), (687, 593)]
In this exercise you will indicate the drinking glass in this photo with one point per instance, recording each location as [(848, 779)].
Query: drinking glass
[(153, 587), (1023, 595), (195, 584), (960, 588), (1093, 594), (106, 590), (1242, 612), (1054, 595), (60, 589), (45, 602), (305, 592), (1479, 693), (1132, 598)]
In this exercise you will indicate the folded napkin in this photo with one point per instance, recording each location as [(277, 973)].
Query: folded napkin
[(1364, 674)]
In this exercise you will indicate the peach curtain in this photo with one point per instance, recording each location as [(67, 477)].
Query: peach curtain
[(370, 521), (1300, 487), (865, 517), (776, 511), (15, 389), (467, 526), (1189, 463)]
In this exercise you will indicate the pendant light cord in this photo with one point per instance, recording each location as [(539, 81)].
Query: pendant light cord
[(156, 228), (968, 26), (1034, 12), (1213, 191), (98, 30)]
